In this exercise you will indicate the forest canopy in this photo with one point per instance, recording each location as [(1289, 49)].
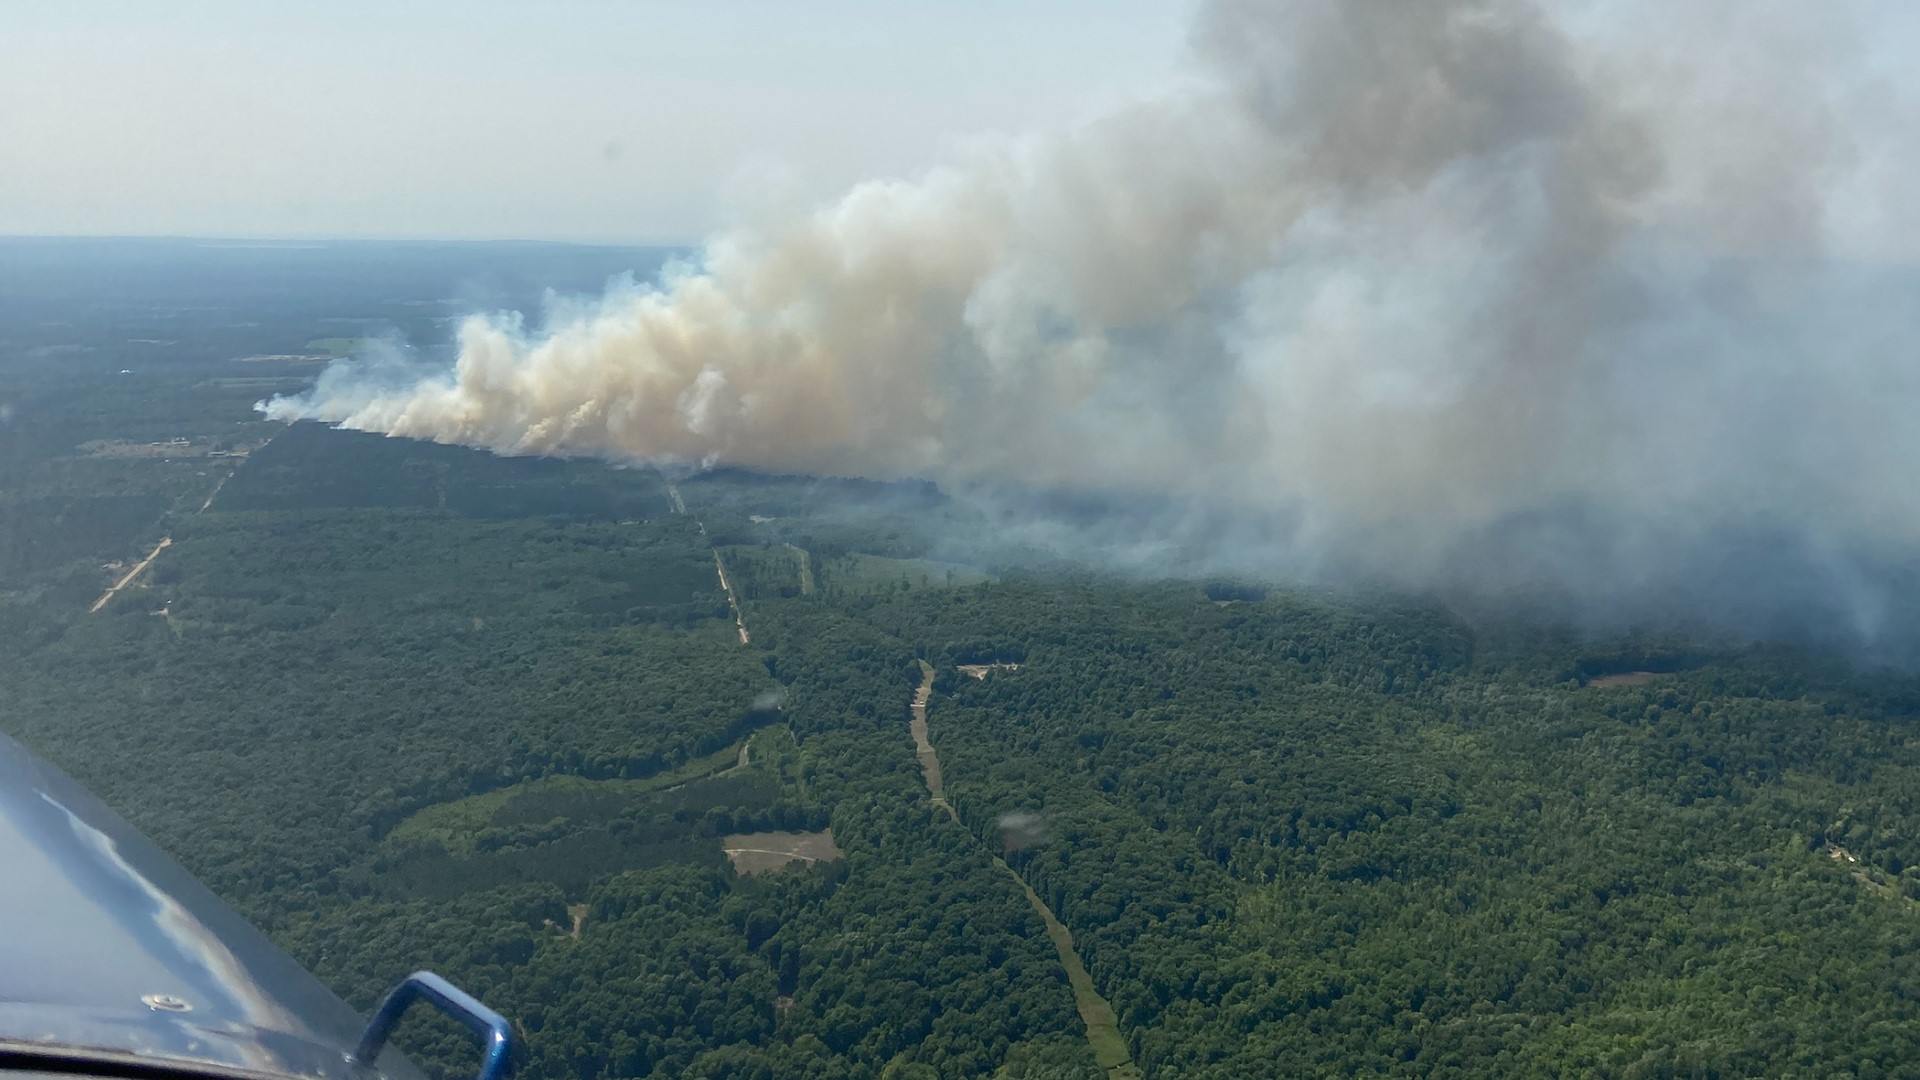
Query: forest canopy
[(413, 706)]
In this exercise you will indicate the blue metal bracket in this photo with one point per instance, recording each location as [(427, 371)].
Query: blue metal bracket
[(492, 1028)]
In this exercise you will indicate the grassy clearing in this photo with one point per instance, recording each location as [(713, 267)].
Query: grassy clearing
[(570, 833), (455, 825), (858, 572)]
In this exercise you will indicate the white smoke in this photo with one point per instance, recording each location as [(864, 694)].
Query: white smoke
[(1406, 270), (1022, 829)]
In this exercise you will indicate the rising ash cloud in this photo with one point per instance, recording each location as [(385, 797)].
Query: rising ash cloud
[(1487, 296)]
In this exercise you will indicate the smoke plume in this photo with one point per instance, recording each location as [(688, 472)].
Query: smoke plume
[(1475, 290)]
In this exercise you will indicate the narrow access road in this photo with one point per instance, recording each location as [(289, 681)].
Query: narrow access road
[(108, 596), (733, 602), (746, 759), (739, 621), (1109, 1045), (138, 568), (216, 490)]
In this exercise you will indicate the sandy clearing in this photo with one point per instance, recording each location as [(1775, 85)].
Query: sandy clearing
[(760, 853)]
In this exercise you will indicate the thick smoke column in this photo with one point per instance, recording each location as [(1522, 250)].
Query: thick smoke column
[(1427, 277)]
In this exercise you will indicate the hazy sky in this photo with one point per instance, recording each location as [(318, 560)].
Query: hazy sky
[(587, 119)]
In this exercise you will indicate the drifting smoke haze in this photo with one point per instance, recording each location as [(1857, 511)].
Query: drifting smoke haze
[(1476, 293), (1021, 829)]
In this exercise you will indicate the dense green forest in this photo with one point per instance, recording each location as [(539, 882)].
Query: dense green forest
[(415, 706)]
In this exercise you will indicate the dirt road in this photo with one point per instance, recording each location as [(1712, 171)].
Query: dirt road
[(739, 621), (923, 749), (131, 574), (745, 759), (1110, 1049), (216, 491), (719, 567)]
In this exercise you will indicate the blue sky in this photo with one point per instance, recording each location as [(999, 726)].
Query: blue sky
[(577, 119)]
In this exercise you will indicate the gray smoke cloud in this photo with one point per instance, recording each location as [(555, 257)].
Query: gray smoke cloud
[(1471, 290)]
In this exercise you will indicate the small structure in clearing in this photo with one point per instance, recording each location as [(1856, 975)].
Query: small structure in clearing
[(762, 852), (979, 671)]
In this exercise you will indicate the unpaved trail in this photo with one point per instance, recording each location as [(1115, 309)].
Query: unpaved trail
[(1110, 1049), (740, 765), (739, 621), (1109, 1044), (108, 596), (241, 458), (579, 914), (214, 492), (131, 574), (719, 567)]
